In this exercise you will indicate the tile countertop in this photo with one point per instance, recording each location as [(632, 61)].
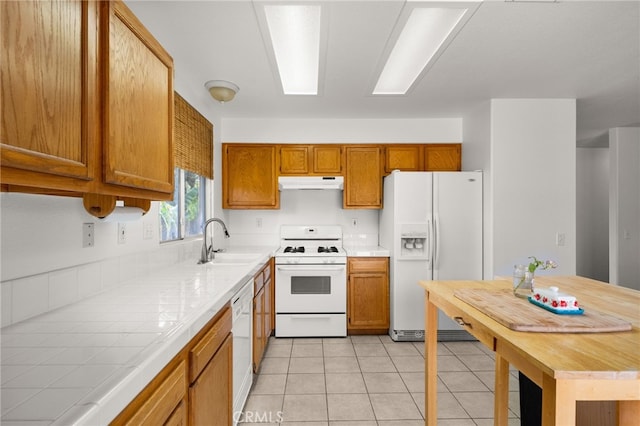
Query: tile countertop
[(83, 363), (367, 251)]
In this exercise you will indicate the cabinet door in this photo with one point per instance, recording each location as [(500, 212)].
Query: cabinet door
[(443, 157), (368, 295), (268, 312), (160, 402), (249, 179), (258, 329), (327, 160), (48, 93), (211, 395), (363, 177), (403, 157), (138, 110), (294, 160)]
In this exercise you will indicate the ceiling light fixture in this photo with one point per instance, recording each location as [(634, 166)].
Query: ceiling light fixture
[(295, 37), (423, 35), (222, 90)]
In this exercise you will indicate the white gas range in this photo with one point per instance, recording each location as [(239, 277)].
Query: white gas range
[(311, 282)]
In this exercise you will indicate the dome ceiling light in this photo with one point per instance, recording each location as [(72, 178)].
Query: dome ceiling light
[(222, 90)]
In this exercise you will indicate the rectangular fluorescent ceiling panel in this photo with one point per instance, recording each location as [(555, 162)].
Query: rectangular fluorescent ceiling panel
[(425, 31), (295, 36)]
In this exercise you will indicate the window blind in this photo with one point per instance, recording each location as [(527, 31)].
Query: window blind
[(193, 139)]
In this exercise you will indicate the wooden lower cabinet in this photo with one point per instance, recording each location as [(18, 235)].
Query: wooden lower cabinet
[(211, 394), (263, 312), (368, 295), (196, 386)]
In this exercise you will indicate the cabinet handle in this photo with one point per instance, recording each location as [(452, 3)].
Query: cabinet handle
[(461, 321)]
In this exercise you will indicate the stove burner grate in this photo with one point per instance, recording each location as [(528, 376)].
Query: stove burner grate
[(290, 249), (332, 249)]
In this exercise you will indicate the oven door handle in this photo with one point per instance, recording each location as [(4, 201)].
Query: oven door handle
[(315, 268)]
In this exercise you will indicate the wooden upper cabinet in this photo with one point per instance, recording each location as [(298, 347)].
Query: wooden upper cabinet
[(249, 178), (325, 160), (294, 159), (87, 101), (403, 157), (443, 157), (138, 121), (363, 177), (48, 92)]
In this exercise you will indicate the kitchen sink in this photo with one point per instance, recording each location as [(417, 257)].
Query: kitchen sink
[(234, 259)]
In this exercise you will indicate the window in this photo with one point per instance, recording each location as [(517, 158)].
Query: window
[(184, 215)]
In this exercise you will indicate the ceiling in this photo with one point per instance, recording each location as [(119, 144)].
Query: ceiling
[(588, 50)]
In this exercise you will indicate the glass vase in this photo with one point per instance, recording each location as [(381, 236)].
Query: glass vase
[(525, 287)]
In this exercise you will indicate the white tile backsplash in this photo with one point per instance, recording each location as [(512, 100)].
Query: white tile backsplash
[(63, 287), (24, 298), (5, 303), (30, 297), (89, 281)]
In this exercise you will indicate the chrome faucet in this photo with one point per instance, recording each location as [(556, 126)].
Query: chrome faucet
[(207, 253)]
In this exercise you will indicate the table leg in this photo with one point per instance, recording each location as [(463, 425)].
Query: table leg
[(558, 402), (628, 412), (501, 397), (431, 363)]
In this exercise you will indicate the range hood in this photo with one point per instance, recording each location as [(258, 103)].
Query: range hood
[(310, 182)]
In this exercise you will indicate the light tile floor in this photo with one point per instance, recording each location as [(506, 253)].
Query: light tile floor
[(371, 381)]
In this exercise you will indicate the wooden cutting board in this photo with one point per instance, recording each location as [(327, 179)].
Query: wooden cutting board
[(521, 315)]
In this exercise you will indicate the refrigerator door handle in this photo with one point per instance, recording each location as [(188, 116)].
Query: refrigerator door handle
[(429, 242), (436, 241)]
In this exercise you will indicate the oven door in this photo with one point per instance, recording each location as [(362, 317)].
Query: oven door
[(311, 289)]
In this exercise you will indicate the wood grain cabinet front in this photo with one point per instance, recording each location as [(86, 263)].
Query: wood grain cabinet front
[(195, 388), (368, 295), (443, 157), (363, 177), (302, 160), (100, 120), (49, 123), (249, 176), (263, 312)]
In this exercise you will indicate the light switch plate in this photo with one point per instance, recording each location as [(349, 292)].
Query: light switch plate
[(122, 233), (87, 235)]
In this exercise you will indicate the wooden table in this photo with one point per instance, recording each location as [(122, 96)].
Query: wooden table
[(569, 367)]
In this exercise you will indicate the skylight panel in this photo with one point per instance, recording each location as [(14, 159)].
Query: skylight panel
[(295, 36), (424, 33)]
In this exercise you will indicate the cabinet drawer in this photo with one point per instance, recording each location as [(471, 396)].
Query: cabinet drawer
[(202, 352), (368, 264), (163, 401), (471, 325)]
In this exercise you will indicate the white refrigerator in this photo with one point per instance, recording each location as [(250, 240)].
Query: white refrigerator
[(431, 223)]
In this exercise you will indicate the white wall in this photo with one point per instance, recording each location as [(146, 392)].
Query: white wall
[(624, 207), (592, 213), (323, 207), (533, 182), (43, 263), (476, 155)]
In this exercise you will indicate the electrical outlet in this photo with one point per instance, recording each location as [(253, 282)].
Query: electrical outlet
[(560, 239), (258, 222), (147, 232), (122, 233), (87, 235)]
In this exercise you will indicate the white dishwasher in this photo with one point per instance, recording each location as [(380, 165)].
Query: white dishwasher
[(242, 351)]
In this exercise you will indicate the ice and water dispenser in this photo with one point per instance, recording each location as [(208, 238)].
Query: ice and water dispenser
[(414, 240)]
